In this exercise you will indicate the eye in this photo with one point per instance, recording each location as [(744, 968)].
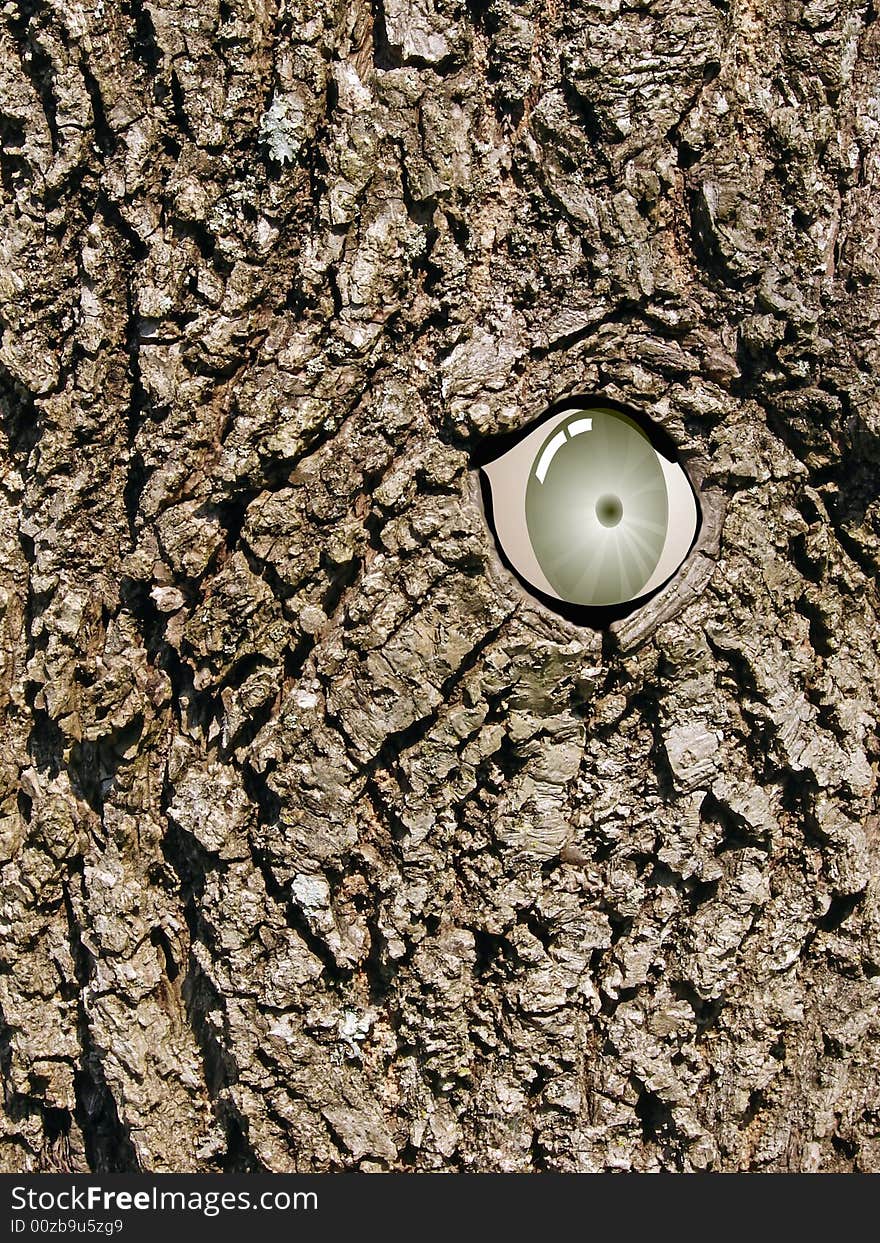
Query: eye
[(591, 508)]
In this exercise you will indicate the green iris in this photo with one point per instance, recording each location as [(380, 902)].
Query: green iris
[(597, 510)]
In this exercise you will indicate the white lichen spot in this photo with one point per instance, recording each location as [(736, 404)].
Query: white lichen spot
[(284, 128), (311, 893), (305, 699), (352, 1029)]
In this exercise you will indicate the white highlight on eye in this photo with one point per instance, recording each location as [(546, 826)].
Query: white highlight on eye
[(567, 433), (549, 454)]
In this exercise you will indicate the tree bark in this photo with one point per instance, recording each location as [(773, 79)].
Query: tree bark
[(323, 846)]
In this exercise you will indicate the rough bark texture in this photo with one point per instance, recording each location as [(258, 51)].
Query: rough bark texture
[(322, 845)]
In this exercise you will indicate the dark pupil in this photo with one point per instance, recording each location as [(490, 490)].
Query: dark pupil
[(609, 510)]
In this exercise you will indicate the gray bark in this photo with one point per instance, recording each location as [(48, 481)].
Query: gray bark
[(322, 845)]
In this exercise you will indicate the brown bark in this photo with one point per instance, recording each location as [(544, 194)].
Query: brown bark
[(323, 846)]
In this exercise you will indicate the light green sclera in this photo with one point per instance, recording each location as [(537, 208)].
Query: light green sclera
[(596, 508)]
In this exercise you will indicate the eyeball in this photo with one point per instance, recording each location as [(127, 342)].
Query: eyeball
[(591, 508)]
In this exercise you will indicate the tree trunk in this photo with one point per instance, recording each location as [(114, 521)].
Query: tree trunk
[(323, 845)]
